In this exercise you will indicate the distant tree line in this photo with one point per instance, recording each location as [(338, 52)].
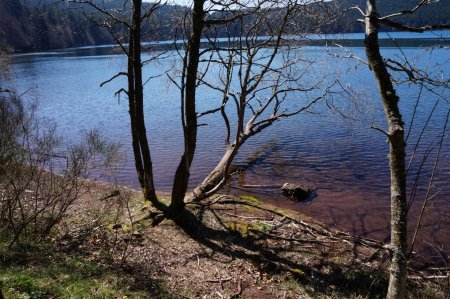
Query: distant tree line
[(430, 14), (27, 25), (31, 27)]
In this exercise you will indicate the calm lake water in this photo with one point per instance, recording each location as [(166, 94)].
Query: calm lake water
[(343, 157)]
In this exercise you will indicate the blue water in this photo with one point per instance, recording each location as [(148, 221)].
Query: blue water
[(332, 149)]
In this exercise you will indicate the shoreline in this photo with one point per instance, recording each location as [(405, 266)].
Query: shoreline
[(289, 207), (239, 248)]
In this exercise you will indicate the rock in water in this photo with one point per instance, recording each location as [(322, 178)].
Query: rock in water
[(296, 192)]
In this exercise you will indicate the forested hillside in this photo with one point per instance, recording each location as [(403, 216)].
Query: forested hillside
[(27, 25), (435, 13)]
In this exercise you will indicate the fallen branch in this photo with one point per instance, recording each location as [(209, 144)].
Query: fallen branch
[(430, 277), (245, 217), (315, 229), (262, 186), (221, 280), (290, 239)]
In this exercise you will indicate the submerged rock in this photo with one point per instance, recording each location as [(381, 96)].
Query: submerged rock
[(296, 191)]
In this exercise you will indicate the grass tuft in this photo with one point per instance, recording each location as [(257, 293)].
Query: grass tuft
[(71, 278), (250, 199)]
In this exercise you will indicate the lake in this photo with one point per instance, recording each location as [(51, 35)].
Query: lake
[(341, 156)]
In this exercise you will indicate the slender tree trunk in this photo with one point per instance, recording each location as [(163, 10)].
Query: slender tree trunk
[(398, 270), (217, 178), (141, 148), (182, 174)]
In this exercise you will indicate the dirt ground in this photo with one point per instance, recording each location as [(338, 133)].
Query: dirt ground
[(233, 248), (225, 247)]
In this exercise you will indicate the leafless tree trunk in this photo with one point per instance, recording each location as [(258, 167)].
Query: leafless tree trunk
[(395, 133), (188, 110), (141, 148), (396, 137)]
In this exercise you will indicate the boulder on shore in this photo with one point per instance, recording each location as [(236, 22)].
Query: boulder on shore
[(296, 191)]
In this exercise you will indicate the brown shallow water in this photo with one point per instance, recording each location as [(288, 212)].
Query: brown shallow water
[(353, 189), (361, 212)]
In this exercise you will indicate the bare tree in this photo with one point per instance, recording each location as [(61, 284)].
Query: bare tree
[(262, 80), (395, 133), (253, 58), (125, 24), (188, 104), (204, 16), (267, 71)]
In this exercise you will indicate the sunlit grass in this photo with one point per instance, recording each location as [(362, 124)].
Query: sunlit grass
[(71, 278), (250, 199)]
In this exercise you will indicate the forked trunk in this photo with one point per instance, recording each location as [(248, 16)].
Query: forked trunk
[(217, 178), (398, 270), (140, 145), (189, 114)]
